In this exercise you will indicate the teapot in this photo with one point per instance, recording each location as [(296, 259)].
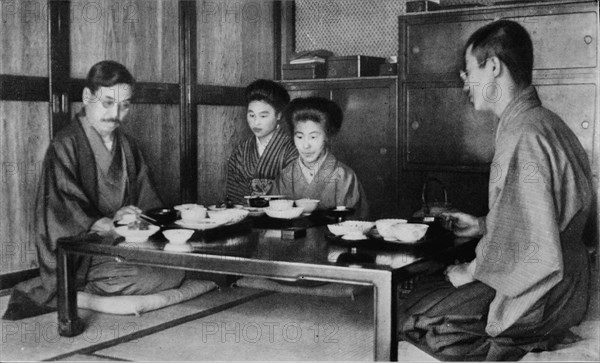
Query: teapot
[(436, 207)]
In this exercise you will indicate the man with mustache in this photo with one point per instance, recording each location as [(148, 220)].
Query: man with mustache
[(92, 175)]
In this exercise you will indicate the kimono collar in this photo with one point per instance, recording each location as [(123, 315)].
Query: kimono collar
[(86, 161), (525, 99), (309, 172), (260, 147)]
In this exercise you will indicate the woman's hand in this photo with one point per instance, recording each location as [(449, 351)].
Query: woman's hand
[(459, 275), (130, 209), (464, 225)]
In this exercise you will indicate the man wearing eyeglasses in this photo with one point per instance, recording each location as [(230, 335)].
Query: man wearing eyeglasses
[(93, 174), (529, 281)]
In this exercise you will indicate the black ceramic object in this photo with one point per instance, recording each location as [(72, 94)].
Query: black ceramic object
[(163, 216)]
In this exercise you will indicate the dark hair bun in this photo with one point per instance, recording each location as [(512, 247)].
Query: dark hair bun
[(316, 109), (267, 91)]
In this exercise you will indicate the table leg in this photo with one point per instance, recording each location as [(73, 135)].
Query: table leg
[(385, 320), (69, 323)]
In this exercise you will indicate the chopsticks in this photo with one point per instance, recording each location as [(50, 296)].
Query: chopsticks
[(142, 215)]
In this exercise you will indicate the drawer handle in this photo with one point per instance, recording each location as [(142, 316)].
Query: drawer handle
[(587, 39), (414, 125), (585, 125)]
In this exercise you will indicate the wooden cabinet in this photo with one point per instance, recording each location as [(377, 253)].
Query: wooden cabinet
[(431, 101), (367, 141), (440, 132)]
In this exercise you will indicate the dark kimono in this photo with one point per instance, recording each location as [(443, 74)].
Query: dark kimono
[(531, 266), (334, 184), (248, 173), (74, 193)]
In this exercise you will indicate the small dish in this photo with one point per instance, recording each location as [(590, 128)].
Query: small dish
[(136, 235), (178, 236), (409, 232), (348, 227), (354, 236), (284, 214), (384, 227), (255, 211), (309, 205), (281, 204), (228, 216), (214, 207), (187, 206), (199, 225)]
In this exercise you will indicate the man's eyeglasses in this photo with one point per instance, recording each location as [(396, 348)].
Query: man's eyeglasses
[(123, 106), (464, 75)]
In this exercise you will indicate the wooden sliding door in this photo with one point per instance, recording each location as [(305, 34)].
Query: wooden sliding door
[(24, 131), (192, 60)]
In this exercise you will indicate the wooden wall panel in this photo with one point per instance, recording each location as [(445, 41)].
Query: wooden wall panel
[(24, 138), (220, 129), (24, 38), (235, 47), (235, 42), (141, 34), (156, 130)]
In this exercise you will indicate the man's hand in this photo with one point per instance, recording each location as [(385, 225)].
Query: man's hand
[(459, 275), (464, 225), (103, 226), (130, 209)]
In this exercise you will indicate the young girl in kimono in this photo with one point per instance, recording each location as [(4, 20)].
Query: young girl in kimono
[(317, 174), (258, 160)]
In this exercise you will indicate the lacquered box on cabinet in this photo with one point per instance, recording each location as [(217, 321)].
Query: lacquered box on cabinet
[(303, 71), (353, 66)]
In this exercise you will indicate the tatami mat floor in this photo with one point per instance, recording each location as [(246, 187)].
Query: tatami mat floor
[(239, 324), (274, 327), (36, 339)]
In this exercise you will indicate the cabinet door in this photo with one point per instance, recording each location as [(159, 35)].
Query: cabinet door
[(443, 131), (367, 143), (576, 105)]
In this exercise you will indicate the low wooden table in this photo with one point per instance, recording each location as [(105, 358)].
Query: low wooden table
[(247, 251)]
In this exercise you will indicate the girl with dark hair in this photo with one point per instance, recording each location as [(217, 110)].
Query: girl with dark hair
[(258, 160), (317, 174)]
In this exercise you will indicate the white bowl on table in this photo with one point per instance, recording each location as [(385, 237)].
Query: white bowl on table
[(384, 227), (178, 236), (290, 213), (136, 235), (308, 205), (350, 227), (191, 212), (228, 216), (281, 204), (409, 232)]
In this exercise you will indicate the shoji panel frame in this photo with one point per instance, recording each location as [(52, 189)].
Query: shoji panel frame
[(60, 90)]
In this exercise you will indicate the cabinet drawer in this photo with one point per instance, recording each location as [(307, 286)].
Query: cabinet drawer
[(567, 40)]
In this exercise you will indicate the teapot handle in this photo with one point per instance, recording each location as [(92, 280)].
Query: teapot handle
[(424, 192)]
